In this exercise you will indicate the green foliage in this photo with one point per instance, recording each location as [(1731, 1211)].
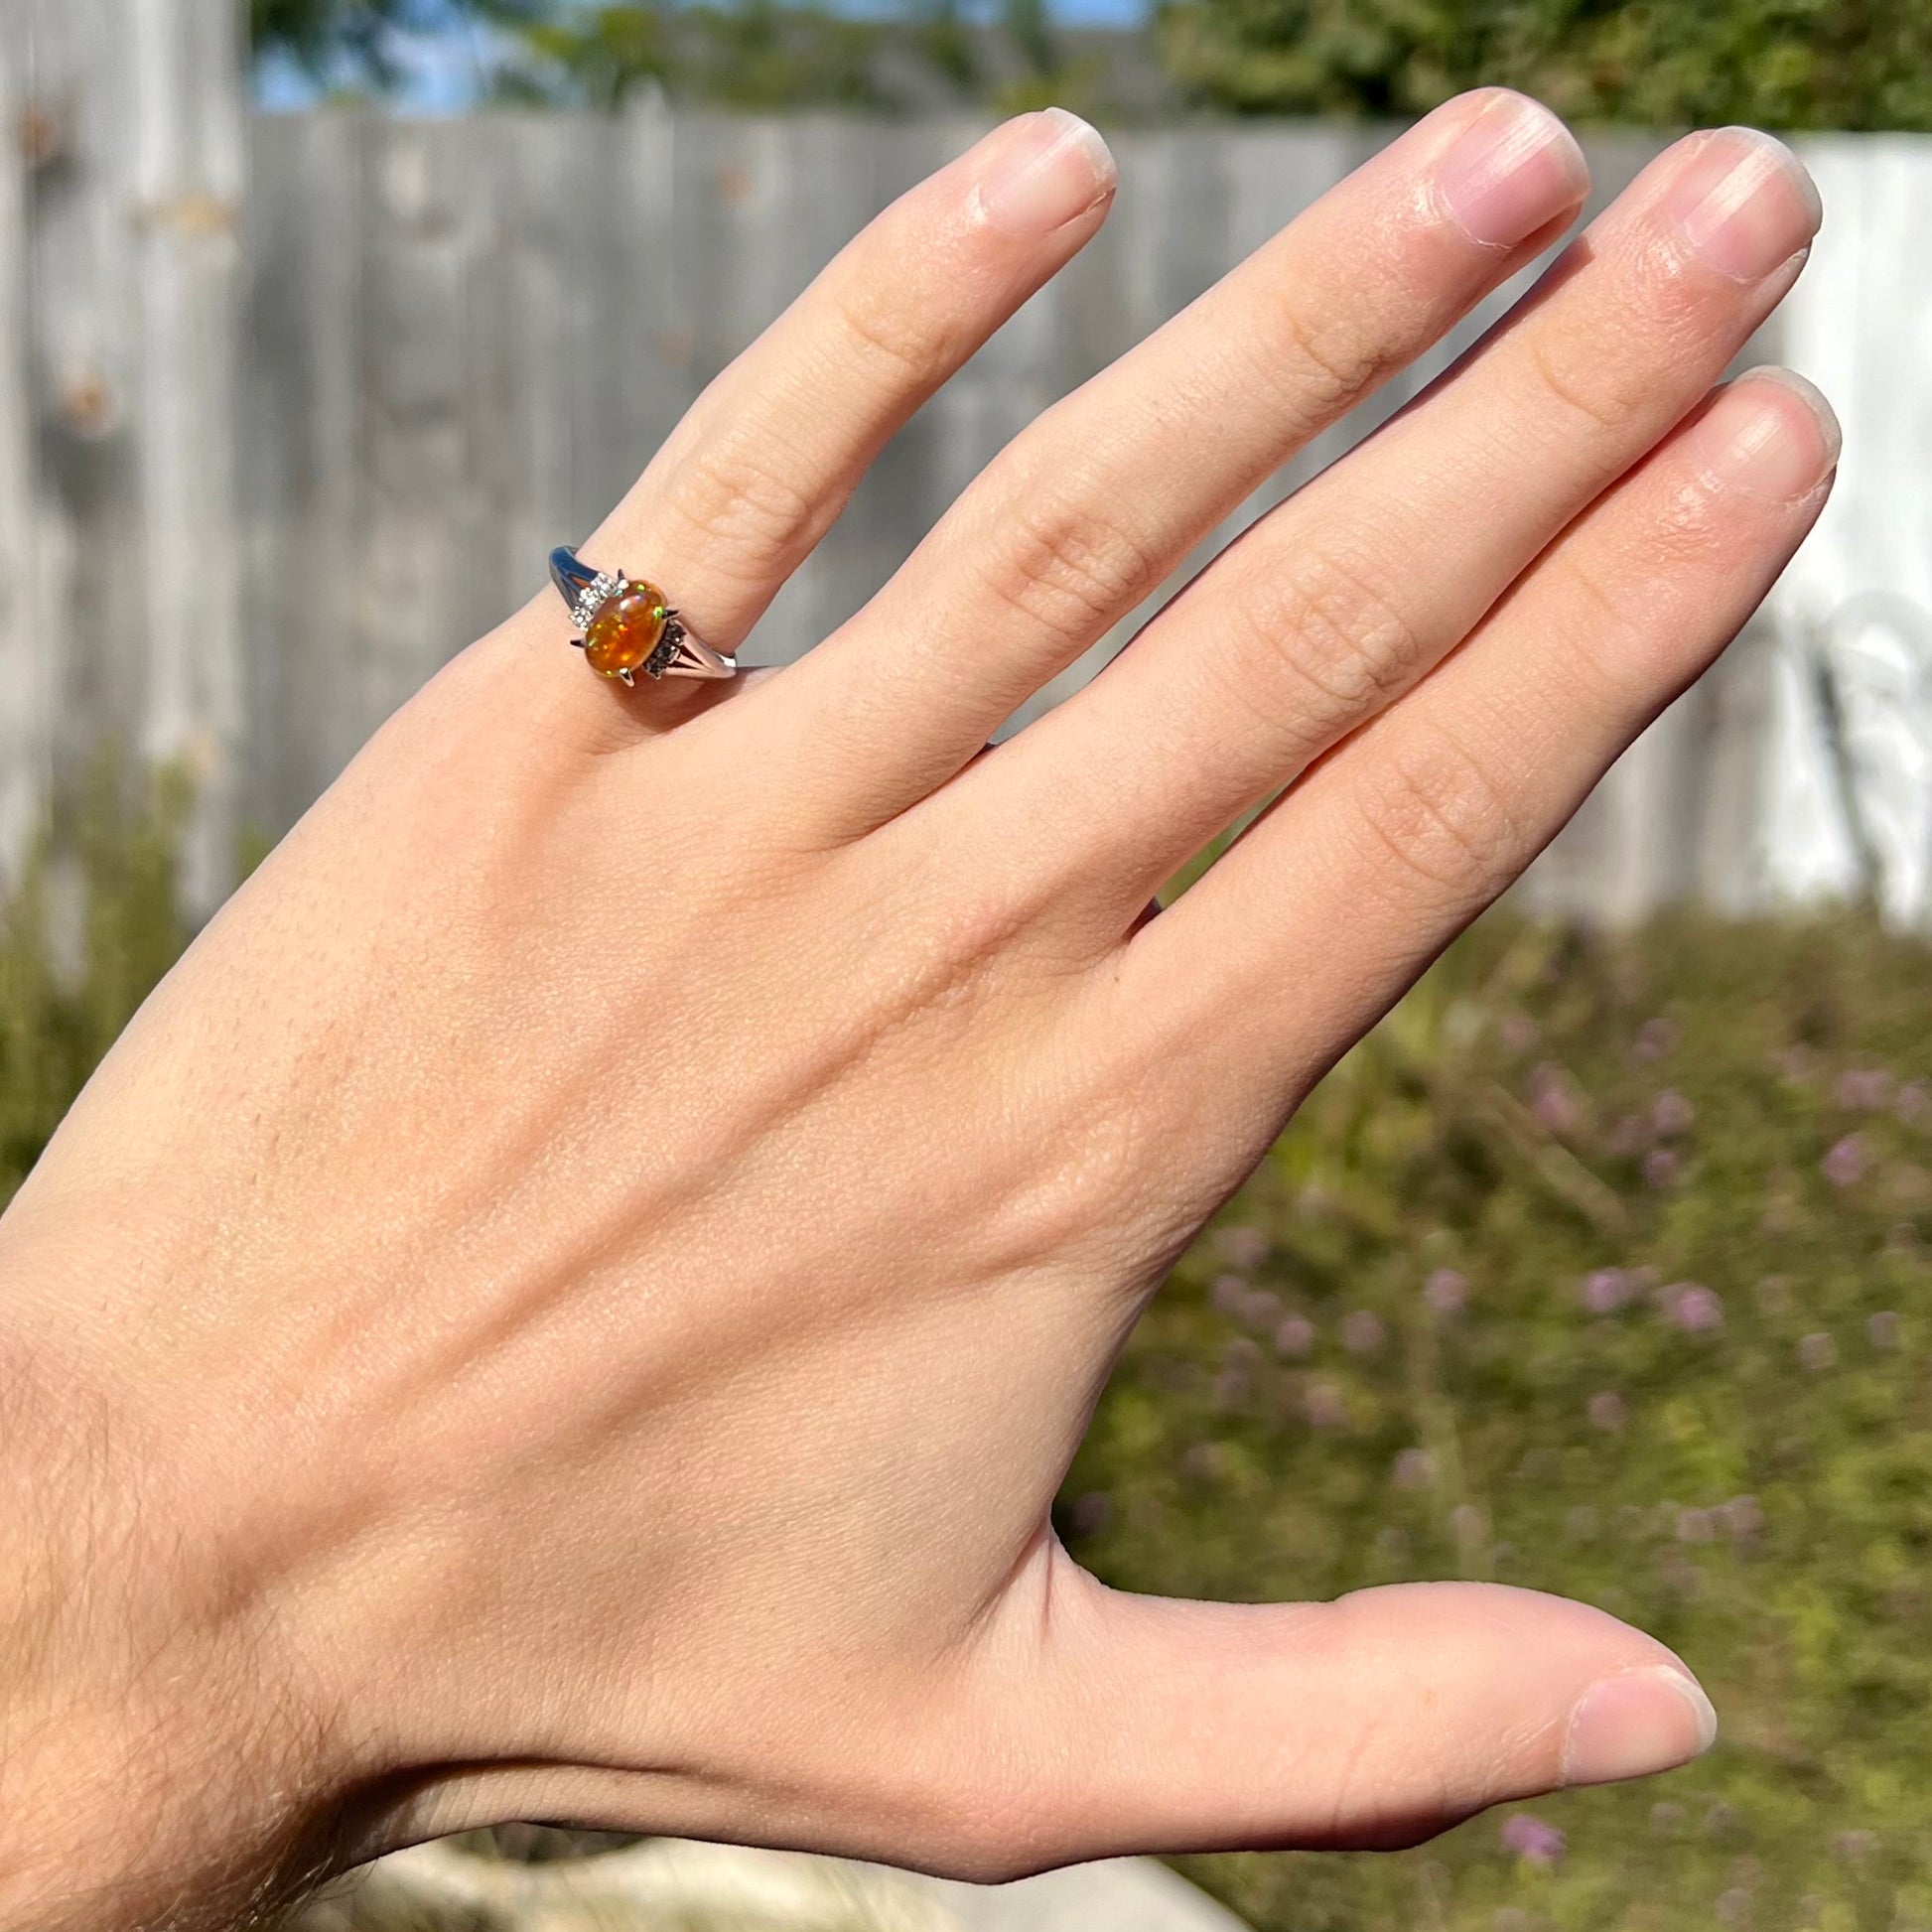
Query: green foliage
[(349, 43), (326, 37), (82, 943), (748, 54), (1602, 1267), (1794, 63)]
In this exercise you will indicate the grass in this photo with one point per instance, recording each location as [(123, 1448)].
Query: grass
[(1602, 1267)]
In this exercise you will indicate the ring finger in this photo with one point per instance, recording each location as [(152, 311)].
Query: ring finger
[(765, 459)]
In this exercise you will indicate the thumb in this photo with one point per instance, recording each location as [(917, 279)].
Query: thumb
[(1375, 1721)]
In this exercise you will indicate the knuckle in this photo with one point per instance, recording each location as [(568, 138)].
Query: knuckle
[(1071, 569), (1437, 811), (1325, 363), (1622, 603), (740, 501), (910, 347), (1596, 392), (1052, 1204), (1342, 643)]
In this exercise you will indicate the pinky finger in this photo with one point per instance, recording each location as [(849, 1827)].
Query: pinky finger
[(1329, 907)]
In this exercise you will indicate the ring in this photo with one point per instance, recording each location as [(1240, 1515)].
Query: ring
[(625, 626)]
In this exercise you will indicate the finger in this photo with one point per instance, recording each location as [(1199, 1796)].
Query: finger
[(1083, 515), (1372, 1722), (767, 458), (1349, 593), (1333, 901)]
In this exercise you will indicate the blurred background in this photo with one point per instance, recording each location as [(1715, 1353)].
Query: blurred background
[(1602, 1267)]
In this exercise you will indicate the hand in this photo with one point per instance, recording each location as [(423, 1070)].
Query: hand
[(574, 1299)]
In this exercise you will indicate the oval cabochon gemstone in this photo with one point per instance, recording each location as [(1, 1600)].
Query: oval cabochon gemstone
[(626, 630)]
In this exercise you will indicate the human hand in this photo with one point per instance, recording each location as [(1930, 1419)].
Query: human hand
[(574, 1299)]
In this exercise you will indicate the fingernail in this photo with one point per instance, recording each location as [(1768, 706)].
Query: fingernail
[(1514, 168), (1743, 204), (1637, 1722), (1048, 168), (1772, 433)]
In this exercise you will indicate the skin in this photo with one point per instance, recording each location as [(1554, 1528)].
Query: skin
[(573, 1301)]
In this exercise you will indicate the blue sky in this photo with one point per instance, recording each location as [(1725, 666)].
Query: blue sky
[(440, 69)]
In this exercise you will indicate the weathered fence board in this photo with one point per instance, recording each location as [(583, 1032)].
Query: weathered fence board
[(132, 134), (24, 700)]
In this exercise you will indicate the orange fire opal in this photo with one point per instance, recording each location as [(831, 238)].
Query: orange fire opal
[(626, 630)]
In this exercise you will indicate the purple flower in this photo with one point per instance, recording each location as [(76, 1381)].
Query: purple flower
[(1235, 1382), (1733, 1909), (1864, 1089), (1232, 1387), (1695, 1526), (1518, 1031), (1294, 1336), (1447, 1291), (1532, 1839), (1915, 1103), (1798, 1063), (1243, 1247), (1363, 1332), (1228, 1294), (1743, 1517), (1817, 1352), (1414, 1468), (1606, 1411), (1606, 1290), (1325, 1406), (1848, 1162), (1260, 1308), (1671, 1113), (1855, 1846), (1881, 1329), (1554, 1099), (1661, 1166), (1693, 1308), (1655, 1038)]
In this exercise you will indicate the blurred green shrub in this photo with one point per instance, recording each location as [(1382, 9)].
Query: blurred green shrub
[(83, 937), (1790, 64), (1602, 1267)]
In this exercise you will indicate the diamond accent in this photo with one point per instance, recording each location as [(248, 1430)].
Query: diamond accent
[(603, 585)]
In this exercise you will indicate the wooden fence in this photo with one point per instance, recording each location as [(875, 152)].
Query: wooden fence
[(292, 407)]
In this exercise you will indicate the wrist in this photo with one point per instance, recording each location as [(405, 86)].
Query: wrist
[(156, 1767)]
